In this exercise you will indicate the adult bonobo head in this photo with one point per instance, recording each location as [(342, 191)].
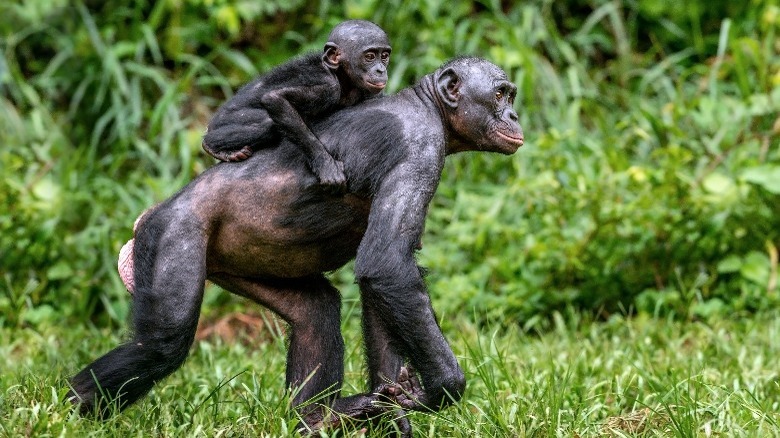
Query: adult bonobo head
[(362, 49), (477, 100)]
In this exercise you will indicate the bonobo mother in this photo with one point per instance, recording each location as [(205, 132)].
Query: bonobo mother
[(264, 229)]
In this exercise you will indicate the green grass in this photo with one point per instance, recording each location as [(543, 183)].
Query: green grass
[(622, 377)]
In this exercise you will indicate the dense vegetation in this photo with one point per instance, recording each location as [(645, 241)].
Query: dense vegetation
[(650, 179)]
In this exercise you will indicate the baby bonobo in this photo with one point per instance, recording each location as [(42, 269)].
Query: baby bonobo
[(352, 68)]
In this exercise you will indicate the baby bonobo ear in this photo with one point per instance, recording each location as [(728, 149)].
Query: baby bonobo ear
[(332, 55), (448, 87)]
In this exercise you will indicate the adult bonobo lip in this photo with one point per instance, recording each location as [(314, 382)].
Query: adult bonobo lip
[(514, 138), (378, 86)]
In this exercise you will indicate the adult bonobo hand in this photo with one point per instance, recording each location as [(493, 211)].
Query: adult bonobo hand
[(264, 229)]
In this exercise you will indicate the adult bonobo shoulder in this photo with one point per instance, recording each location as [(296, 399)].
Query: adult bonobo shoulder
[(264, 229), (352, 68)]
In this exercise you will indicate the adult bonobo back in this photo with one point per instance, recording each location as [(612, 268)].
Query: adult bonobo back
[(264, 229)]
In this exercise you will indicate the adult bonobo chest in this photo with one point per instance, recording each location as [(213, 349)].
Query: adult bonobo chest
[(265, 229)]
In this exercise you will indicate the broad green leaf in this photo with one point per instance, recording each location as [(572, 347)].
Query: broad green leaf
[(766, 176), (718, 184), (731, 263), (755, 267)]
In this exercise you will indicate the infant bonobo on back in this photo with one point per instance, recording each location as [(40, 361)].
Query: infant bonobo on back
[(352, 68)]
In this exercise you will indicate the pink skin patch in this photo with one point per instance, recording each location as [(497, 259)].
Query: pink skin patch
[(125, 265)]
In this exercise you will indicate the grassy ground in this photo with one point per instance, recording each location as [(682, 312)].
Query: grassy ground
[(623, 377)]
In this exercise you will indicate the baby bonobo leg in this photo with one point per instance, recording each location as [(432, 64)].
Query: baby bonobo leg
[(236, 131)]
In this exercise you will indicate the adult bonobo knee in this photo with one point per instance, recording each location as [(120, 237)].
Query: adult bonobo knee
[(264, 229)]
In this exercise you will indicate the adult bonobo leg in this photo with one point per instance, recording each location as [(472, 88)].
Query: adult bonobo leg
[(312, 308), (170, 272), (315, 369)]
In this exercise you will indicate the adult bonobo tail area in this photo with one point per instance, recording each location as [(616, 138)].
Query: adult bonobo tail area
[(263, 229)]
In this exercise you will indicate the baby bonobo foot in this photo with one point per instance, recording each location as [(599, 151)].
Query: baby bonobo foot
[(330, 173), (235, 155)]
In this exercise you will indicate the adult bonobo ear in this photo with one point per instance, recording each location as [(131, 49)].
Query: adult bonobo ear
[(448, 85), (331, 55)]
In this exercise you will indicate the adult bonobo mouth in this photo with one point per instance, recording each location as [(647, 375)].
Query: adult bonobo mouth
[(513, 138), (507, 136)]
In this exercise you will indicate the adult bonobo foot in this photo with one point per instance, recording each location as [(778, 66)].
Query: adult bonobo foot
[(358, 411), (407, 391), (388, 400)]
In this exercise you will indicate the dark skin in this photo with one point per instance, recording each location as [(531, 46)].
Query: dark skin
[(264, 229), (352, 68)]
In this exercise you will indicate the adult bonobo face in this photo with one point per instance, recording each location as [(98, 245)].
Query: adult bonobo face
[(479, 98), (364, 52)]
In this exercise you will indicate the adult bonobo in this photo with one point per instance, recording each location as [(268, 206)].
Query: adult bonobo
[(352, 68), (264, 229)]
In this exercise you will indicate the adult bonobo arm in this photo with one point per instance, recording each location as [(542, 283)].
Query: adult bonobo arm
[(394, 291)]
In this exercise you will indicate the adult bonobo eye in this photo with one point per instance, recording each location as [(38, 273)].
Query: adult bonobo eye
[(499, 95)]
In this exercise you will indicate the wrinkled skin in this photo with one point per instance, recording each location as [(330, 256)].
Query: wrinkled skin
[(264, 229), (352, 68)]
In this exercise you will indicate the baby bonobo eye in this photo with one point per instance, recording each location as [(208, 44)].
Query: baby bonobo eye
[(385, 57), (370, 56)]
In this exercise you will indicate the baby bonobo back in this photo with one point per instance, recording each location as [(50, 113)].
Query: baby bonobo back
[(352, 68)]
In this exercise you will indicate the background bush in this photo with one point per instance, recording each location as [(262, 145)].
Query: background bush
[(650, 179)]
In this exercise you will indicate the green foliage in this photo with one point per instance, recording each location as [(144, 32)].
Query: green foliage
[(649, 180)]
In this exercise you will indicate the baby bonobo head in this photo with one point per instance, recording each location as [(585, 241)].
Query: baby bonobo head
[(359, 51)]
